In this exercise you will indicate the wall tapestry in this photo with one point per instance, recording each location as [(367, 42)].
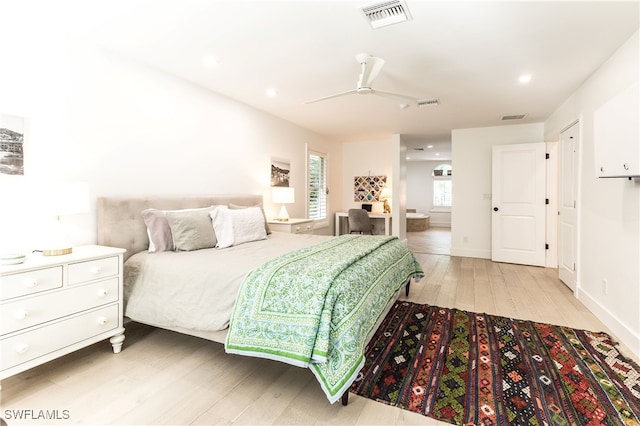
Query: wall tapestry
[(11, 144), (280, 170), (368, 188)]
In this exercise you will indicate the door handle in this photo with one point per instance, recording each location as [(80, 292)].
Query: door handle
[(495, 209)]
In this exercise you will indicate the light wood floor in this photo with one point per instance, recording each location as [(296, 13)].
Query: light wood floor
[(432, 241), (162, 377)]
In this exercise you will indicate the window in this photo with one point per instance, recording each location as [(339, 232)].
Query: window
[(317, 185), (442, 186)]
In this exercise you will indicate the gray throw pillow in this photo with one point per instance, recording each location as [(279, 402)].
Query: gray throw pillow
[(192, 229)]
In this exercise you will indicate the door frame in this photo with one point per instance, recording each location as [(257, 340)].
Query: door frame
[(578, 174), (551, 213)]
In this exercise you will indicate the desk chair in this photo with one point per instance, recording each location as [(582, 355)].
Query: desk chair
[(359, 222)]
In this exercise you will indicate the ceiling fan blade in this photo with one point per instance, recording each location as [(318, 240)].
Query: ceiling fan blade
[(395, 96), (348, 92), (371, 67)]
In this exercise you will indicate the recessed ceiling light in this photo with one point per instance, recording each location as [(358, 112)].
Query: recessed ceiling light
[(429, 146), (209, 61), (525, 78), (271, 92), (437, 154)]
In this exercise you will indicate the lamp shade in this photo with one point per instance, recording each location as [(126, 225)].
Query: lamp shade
[(385, 193), (282, 195), (61, 198)]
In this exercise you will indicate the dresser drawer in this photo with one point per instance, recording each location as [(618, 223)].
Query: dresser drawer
[(303, 228), (41, 341), (20, 314), (30, 282), (93, 269)]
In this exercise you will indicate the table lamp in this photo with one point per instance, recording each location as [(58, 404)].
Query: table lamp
[(61, 199), (282, 195), (385, 194)]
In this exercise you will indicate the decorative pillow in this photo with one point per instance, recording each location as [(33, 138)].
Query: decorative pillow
[(158, 229), (191, 229), (266, 224), (237, 226)]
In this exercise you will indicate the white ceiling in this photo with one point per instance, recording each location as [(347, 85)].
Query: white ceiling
[(467, 54)]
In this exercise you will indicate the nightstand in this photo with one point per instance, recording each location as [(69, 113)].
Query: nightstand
[(293, 226), (53, 305)]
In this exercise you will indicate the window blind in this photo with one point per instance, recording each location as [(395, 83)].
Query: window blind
[(317, 185)]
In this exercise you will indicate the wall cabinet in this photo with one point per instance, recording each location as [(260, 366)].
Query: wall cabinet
[(616, 126)]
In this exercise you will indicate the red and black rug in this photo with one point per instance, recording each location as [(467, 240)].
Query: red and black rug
[(469, 368)]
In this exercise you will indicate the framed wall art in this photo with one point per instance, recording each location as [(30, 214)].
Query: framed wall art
[(11, 144), (280, 172), (368, 188)]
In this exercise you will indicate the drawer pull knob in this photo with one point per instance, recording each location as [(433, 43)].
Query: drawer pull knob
[(102, 320), (21, 314), (22, 348), (96, 270), (30, 282), (101, 292)]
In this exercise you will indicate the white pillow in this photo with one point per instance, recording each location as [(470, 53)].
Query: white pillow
[(233, 227)]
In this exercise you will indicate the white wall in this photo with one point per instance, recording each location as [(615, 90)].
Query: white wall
[(471, 151), (609, 209), (127, 129), (367, 158), (420, 191)]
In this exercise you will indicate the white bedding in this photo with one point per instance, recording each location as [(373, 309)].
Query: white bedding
[(197, 289)]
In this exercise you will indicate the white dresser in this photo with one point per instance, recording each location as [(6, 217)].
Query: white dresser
[(53, 305), (293, 226)]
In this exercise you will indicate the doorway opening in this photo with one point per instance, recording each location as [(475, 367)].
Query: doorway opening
[(429, 193)]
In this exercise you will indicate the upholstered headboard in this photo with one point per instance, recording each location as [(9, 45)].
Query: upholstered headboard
[(120, 222)]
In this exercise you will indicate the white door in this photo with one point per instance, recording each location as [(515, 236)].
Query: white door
[(518, 216), (567, 225)]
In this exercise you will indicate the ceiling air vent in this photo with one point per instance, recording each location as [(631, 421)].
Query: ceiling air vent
[(419, 148), (513, 117), (426, 102), (382, 13)]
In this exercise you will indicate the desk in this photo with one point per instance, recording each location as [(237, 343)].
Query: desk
[(385, 216)]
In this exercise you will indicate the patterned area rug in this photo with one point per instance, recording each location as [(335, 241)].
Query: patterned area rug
[(468, 368)]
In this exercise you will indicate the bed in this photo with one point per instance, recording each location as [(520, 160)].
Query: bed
[(308, 300)]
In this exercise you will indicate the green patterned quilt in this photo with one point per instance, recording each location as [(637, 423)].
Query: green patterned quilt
[(315, 307)]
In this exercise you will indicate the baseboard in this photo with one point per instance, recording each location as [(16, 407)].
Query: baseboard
[(482, 254), (626, 336), (433, 224)]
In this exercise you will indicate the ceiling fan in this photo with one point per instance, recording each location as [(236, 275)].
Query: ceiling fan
[(371, 67)]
